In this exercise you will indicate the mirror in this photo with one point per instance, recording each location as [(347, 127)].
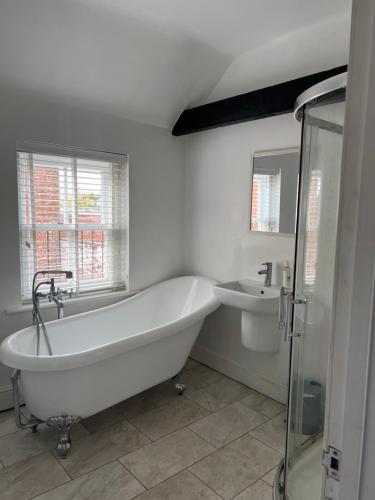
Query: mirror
[(274, 189)]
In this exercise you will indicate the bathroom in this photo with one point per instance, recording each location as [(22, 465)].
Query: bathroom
[(177, 120)]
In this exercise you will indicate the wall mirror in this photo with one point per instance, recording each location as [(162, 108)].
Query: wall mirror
[(274, 187)]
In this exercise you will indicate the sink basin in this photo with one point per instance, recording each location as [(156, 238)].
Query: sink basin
[(259, 305), (248, 295)]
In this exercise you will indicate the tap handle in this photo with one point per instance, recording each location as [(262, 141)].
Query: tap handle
[(69, 292), (267, 264)]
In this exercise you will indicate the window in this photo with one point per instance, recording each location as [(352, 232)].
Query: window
[(265, 201), (73, 208)]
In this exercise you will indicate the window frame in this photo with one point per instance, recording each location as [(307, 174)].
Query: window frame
[(74, 230)]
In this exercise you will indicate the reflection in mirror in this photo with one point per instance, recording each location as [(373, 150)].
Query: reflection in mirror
[(274, 191)]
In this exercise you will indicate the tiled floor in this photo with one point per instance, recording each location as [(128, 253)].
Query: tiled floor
[(220, 440)]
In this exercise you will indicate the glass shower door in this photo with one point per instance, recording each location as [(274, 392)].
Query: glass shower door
[(313, 295)]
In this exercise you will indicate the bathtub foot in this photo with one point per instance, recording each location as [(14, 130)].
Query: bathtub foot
[(180, 388), (63, 424)]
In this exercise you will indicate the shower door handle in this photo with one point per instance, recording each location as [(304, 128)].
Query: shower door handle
[(286, 304), (294, 302), (284, 312)]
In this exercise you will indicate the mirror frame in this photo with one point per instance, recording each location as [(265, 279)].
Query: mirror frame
[(258, 154)]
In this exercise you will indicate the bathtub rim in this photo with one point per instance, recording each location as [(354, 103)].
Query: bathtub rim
[(13, 358)]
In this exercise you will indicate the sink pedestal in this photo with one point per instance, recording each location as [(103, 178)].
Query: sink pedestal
[(259, 332), (259, 306)]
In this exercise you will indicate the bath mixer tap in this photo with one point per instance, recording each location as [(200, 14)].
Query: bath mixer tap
[(267, 272), (56, 295)]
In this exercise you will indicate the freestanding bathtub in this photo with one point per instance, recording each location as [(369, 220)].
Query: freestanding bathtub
[(105, 356)]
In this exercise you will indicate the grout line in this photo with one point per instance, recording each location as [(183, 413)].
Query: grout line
[(159, 484), (265, 444), (69, 480), (209, 487), (132, 475), (265, 482), (226, 444), (89, 471), (275, 468), (248, 486), (104, 463), (205, 440), (143, 434), (184, 426)]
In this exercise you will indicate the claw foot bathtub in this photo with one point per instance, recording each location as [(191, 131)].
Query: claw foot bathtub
[(104, 356)]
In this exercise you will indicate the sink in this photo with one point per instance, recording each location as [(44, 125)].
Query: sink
[(259, 305), (248, 295)]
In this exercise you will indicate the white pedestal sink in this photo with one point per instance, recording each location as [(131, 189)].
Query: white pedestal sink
[(259, 305)]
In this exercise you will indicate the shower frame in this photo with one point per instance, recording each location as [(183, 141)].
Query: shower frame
[(314, 97)]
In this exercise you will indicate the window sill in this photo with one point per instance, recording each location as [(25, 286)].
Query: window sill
[(76, 300)]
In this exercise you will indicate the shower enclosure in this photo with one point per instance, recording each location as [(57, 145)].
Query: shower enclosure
[(321, 109)]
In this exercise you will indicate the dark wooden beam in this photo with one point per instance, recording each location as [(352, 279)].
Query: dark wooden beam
[(262, 103)]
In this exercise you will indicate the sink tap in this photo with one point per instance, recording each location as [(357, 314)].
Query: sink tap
[(267, 272)]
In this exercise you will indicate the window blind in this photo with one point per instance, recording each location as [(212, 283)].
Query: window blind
[(73, 213), (312, 229), (265, 202)]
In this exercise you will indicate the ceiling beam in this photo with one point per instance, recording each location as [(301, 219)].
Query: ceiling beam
[(262, 103)]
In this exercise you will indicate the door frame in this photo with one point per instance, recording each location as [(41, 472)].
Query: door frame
[(351, 403)]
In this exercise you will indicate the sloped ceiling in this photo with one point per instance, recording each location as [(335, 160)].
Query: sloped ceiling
[(145, 60)]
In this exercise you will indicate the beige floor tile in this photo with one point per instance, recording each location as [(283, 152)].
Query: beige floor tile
[(184, 486), (25, 444), (227, 424), (257, 491), (168, 418), (162, 393), (7, 423), (262, 404), (233, 468), (272, 433), (110, 482), (191, 363), (31, 477), (164, 458), (101, 447), (270, 477), (126, 409), (202, 376), (218, 395), (194, 378)]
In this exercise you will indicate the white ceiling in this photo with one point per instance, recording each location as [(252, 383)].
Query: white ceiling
[(142, 59)]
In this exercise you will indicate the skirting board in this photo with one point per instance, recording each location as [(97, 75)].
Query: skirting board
[(230, 368), (6, 398)]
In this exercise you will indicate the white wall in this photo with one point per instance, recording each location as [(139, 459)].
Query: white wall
[(218, 243), (300, 52), (156, 194)]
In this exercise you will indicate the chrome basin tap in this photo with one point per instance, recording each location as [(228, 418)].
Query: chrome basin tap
[(267, 272)]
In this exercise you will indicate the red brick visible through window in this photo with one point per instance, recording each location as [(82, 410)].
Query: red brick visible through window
[(55, 248)]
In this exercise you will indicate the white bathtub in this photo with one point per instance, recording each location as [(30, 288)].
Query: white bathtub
[(105, 356)]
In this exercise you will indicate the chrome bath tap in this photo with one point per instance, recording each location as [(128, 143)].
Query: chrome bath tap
[(267, 272), (56, 295)]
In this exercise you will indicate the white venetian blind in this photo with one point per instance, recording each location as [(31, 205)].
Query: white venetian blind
[(312, 229), (265, 201), (73, 212)]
